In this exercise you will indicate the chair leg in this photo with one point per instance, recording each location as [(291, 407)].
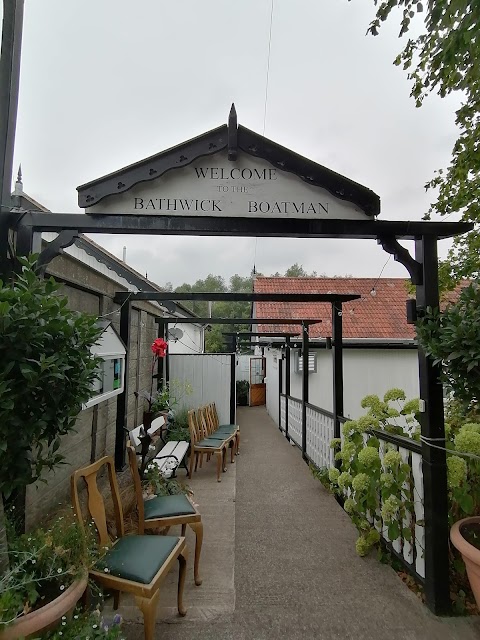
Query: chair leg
[(184, 528), (197, 455), (197, 527), (182, 561), (219, 455), (232, 451), (238, 443), (116, 599), (193, 457), (201, 460), (224, 457), (148, 606)]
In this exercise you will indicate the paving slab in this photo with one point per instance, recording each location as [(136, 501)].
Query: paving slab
[(292, 555)]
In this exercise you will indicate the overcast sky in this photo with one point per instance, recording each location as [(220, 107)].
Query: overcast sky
[(105, 83)]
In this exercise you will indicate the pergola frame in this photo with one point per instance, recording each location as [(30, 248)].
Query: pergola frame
[(423, 271), (20, 234)]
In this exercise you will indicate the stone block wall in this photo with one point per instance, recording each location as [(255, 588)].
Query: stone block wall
[(94, 436)]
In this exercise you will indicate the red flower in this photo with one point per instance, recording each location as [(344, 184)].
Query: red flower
[(159, 347)]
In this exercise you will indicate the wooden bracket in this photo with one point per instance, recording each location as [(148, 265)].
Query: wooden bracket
[(391, 245), (54, 249)]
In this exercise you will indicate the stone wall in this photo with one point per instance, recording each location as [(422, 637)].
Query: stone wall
[(94, 435)]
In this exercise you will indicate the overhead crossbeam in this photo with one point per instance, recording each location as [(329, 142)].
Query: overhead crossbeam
[(237, 226), (160, 296), (168, 320)]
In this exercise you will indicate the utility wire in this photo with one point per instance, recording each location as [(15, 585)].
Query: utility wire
[(268, 68)]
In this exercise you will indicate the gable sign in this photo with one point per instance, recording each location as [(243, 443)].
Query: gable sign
[(214, 186)]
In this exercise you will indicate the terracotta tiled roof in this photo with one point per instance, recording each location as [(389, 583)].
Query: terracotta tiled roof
[(380, 316)]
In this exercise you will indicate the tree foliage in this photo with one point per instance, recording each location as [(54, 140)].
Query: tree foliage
[(445, 59), (452, 339), (215, 340)]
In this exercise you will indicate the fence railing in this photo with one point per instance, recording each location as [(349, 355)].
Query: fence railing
[(319, 434)]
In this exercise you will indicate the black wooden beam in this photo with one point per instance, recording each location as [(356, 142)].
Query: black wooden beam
[(247, 227), (163, 320), (160, 296), (247, 334), (431, 420), (287, 382), (305, 332), (122, 399), (337, 356)]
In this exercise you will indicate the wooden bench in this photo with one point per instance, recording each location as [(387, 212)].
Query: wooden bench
[(168, 458)]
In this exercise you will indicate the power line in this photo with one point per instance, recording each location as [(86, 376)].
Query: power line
[(268, 68)]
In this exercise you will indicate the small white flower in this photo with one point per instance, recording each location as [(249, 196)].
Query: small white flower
[(60, 633), (65, 617), (33, 561), (59, 571), (63, 624), (95, 626), (75, 617), (107, 570), (62, 587), (29, 539)]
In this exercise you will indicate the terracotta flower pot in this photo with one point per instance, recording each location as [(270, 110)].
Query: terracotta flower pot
[(46, 617), (470, 554)]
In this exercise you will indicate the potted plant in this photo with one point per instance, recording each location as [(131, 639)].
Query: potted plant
[(46, 578), (88, 626), (465, 537), (46, 376), (243, 387)]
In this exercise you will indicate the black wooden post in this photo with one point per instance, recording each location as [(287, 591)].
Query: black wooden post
[(233, 382), (161, 334), (12, 28), (122, 398), (280, 390), (434, 460), (337, 358), (305, 336), (166, 367), (287, 383)]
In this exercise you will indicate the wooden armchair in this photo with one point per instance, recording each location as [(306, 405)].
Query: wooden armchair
[(134, 564), (166, 511)]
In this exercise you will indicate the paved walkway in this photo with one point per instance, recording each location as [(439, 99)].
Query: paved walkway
[(279, 561)]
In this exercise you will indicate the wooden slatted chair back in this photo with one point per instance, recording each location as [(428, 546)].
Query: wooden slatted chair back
[(203, 423), (193, 427), (212, 417), (215, 415), (95, 501), (137, 486)]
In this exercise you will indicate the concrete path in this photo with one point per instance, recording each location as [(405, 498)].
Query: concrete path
[(291, 550)]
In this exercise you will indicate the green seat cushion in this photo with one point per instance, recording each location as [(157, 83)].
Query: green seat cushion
[(214, 444), (226, 429), (137, 558), (165, 506)]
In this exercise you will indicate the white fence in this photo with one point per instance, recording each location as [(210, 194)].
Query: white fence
[(319, 434), (210, 377)]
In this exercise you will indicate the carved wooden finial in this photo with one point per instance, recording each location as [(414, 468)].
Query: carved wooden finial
[(232, 133)]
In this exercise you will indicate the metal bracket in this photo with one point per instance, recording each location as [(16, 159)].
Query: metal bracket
[(54, 248), (232, 134), (391, 245)]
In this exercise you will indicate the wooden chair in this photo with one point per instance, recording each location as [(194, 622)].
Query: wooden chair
[(216, 427), (200, 444), (166, 511), (134, 564)]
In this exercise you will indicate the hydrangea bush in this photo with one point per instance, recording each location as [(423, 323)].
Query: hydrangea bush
[(378, 491), (377, 486)]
